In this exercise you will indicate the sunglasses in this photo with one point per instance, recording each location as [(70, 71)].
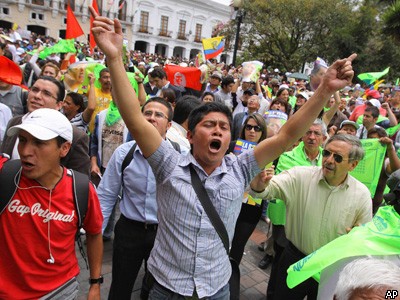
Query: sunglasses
[(250, 127), (337, 157)]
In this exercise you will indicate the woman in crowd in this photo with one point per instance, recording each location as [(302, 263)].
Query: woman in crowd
[(282, 105), (283, 93), (75, 111), (207, 97), (254, 130)]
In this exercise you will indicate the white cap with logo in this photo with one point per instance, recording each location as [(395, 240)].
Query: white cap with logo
[(44, 124)]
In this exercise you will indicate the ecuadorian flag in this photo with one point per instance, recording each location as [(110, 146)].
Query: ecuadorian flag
[(213, 46)]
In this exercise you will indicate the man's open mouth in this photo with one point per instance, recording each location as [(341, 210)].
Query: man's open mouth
[(215, 145)]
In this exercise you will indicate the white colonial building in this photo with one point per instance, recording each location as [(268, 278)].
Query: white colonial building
[(168, 27)]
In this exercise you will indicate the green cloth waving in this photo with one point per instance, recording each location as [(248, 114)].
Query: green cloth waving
[(113, 115)]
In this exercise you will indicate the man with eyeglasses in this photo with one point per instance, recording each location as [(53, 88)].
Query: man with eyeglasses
[(136, 229), (47, 92), (322, 203)]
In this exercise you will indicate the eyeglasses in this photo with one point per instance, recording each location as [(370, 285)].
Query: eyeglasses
[(157, 114), (337, 157), (250, 127), (46, 94)]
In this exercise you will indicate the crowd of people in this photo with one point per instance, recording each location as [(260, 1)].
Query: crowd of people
[(270, 147)]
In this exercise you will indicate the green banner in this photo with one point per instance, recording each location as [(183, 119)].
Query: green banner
[(381, 236), (369, 169), (392, 130), (370, 78), (63, 46)]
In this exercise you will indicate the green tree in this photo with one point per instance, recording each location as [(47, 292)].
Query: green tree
[(391, 19), (287, 33)]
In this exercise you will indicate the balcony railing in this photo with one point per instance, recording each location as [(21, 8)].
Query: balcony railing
[(165, 33), (182, 36), (144, 29), (198, 39)]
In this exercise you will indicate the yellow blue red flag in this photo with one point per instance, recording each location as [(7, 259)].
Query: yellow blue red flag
[(213, 46)]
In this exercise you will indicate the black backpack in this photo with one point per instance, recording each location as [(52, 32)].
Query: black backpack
[(10, 175)]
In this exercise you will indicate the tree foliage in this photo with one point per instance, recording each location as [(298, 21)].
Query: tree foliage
[(391, 19), (288, 33)]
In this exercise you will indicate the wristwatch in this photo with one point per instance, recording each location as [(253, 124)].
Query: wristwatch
[(96, 280)]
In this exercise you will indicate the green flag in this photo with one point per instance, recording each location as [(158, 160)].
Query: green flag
[(392, 130), (381, 236), (63, 46), (370, 78), (369, 169)]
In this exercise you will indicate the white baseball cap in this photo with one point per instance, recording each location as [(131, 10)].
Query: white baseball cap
[(44, 124), (374, 102), (303, 94)]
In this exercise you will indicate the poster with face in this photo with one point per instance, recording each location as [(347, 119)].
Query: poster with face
[(251, 70), (275, 119), (317, 73), (77, 76)]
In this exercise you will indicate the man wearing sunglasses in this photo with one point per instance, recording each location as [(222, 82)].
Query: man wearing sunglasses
[(322, 203)]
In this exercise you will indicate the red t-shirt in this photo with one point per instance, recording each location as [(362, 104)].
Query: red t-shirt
[(35, 223)]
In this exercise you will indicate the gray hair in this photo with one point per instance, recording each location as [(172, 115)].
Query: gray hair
[(367, 273), (319, 122), (356, 152)]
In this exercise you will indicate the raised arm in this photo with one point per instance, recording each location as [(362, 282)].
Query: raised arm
[(392, 118), (338, 75), (141, 91), (91, 105), (328, 115), (108, 36)]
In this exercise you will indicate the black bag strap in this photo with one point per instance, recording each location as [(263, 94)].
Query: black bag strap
[(81, 195), (129, 156), (209, 208), (10, 169)]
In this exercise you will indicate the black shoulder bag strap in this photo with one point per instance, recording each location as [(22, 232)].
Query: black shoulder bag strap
[(128, 158), (80, 185), (10, 169), (81, 195), (209, 208)]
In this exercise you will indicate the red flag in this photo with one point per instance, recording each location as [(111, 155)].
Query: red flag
[(73, 28), (91, 38), (184, 76), (121, 4)]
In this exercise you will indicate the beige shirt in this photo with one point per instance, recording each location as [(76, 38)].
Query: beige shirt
[(317, 213)]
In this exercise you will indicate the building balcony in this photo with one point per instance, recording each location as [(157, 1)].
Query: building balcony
[(198, 39), (182, 36), (165, 33), (144, 29)]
